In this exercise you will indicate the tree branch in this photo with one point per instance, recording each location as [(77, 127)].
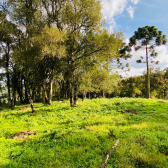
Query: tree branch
[(109, 154)]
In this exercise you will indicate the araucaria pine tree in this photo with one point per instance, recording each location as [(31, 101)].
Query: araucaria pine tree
[(147, 38)]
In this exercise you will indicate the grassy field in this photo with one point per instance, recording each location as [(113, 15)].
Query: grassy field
[(58, 136)]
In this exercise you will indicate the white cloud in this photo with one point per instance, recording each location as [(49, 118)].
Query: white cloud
[(126, 41), (135, 1), (112, 26), (162, 56), (133, 72), (113, 8), (130, 10)]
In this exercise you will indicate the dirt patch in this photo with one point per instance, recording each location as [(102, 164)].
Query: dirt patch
[(59, 101), (161, 102), (129, 111), (24, 134), (26, 109), (132, 112)]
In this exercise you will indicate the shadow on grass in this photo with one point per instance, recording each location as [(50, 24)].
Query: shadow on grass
[(25, 109), (19, 114), (2, 107)]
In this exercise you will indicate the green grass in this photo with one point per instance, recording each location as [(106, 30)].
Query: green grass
[(79, 137)]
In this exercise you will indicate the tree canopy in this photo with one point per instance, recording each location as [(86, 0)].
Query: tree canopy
[(56, 45)]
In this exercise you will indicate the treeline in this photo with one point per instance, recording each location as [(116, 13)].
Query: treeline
[(56, 48), (136, 86)]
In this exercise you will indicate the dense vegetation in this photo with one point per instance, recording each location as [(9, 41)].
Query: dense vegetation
[(135, 86), (82, 136), (56, 46)]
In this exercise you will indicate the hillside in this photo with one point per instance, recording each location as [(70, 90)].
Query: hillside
[(61, 136)]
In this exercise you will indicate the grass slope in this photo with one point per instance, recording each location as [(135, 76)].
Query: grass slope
[(81, 137)]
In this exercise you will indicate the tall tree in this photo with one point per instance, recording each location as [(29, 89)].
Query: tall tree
[(53, 20), (147, 38), (51, 42), (86, 41), (8, 33), (27, 16)]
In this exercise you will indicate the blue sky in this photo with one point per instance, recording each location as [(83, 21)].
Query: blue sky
[(128, 15)]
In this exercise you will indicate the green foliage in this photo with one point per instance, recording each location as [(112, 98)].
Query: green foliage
[(132, 87), (97, 81), (80, 137), (60, 38), (135, 86), (51, 42)]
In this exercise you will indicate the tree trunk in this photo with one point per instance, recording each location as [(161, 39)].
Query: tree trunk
[(148, 74), (72, 86), (14, 99), (67, 95), (33, 94), (31, 101), (75, 97), (26, 92), (43, 95), (71, 96), (44, 92), (84, 96), (89, 95), (32, 105), (76, 100), (103, 94), (50, 89), (26, 96), (21, 92), (8, 76)]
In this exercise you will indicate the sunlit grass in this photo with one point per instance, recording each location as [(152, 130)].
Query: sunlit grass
[(80, 137)]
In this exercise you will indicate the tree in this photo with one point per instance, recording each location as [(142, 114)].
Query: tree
[(8, 33), (27, 17), (86, 40), (147, 37), (51, 42), (159, 83), (97, 80)]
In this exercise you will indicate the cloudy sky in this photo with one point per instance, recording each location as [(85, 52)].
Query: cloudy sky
[(128, 15)]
